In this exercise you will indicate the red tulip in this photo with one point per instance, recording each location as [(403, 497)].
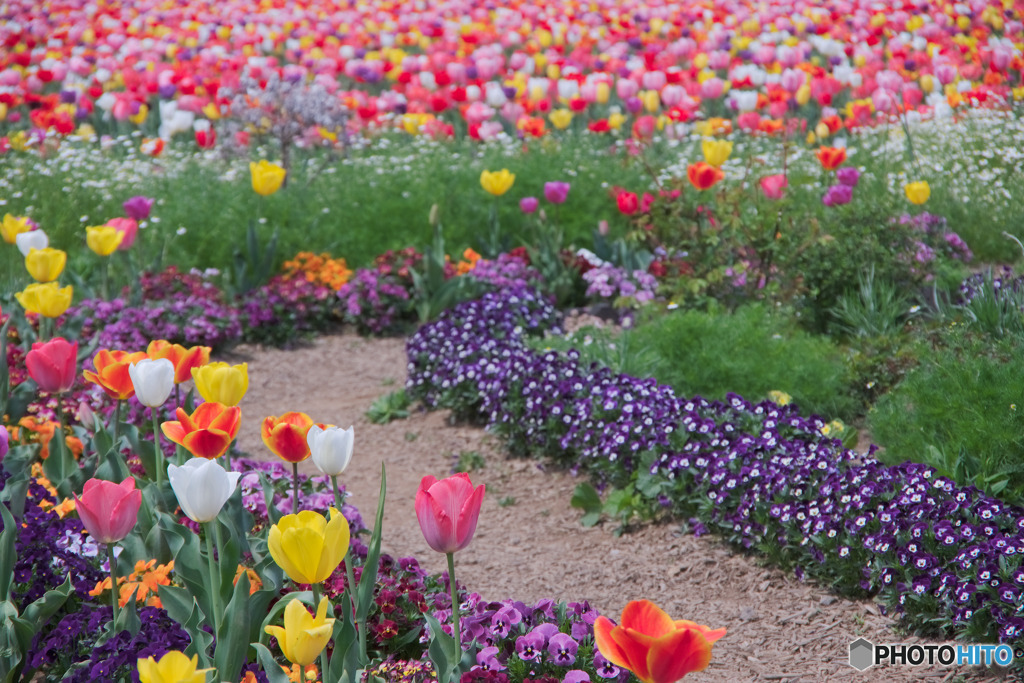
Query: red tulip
[(207, 432), (448, 510), (286, 435), (703, 175), (831, 158), (774, 186), (653, 646), (52, 365), (108, 510), (112, 372), (628, 203)]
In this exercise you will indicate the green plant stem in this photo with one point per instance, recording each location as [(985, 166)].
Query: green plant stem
[(323, 653), (60, 437), (113, 583), (117, 425), (106, 279), (158, 454), (295, 488), (455, 609), (350, 576), (211, 529)]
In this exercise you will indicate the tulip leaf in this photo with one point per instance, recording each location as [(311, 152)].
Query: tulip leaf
[(273, 514), (18, 464), (189, 565), (441, 650), (5, 372), (233, 637), (128, 616), (112, 467), (270, 666), (304, 596), (60, 467), (368, 579), (345, 660), (184, 609), (7, 552)]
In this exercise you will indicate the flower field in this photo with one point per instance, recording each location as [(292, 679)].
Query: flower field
[(792, 228)]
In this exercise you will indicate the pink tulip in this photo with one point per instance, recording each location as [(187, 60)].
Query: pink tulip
[(108, 510), (556, 192), (774, 186), (128, 228), (448, 510), (712, 88), (626, 88), (4, 441), (52, 365)]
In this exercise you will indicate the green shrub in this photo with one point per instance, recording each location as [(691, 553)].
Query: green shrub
[(962, 412)]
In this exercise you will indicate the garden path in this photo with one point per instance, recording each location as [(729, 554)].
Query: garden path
[(778, 628)]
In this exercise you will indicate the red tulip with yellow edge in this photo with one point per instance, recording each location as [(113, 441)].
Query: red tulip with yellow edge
[(652, 645), (112, 372), (703, 175), (207, 432), (286, 437), (183, 359), (831, 158)]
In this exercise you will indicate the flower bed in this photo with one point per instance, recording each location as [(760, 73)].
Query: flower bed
[(945, 558)]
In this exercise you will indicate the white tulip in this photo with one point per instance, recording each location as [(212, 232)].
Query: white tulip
[(331, 448), (153, 381), (33, 239), (202, 487)]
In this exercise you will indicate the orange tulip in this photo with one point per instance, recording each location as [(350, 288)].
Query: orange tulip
[(831, 158), (207, 432), (653, 646), (184, 359), (286, 435), (703, 175), (112, 372)]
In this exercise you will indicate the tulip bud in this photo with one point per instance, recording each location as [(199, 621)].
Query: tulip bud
[(33, 239), (434, 211), (202, 487), (331, 448), (153, 380)]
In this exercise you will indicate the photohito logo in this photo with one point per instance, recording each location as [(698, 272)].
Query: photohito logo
[(864, 654)]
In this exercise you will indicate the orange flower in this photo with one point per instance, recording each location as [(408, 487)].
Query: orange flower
[(255, 583), (469, 261), (286, 435), (703, 175), (183, 359), (208, 432), (46, 429), (831, 158), (653, 646), (112, 372)]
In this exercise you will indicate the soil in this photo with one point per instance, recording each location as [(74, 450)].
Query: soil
[(530, 545)]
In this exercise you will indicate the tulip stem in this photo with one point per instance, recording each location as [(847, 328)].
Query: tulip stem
[(456, 632), (211, 529), (158, 454), (111, 560), (117, 425), (106, 279), (295, 488), (62, 419)]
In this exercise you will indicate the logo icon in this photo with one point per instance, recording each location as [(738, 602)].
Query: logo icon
[(861, 654)]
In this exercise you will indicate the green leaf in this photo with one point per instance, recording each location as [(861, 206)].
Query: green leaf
[(368, 580), (8, 556), (590, 519), (270, 666), (128, 616), (345, 659), (441, 649), (586, 498), (112, 467), (60, 467), (233, 637)]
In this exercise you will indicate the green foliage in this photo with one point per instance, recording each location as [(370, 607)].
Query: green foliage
[(998, 313), (621, 351), (470, 461), (749, 352), (624, 506), (877, 309), (434, 292), (961, 411), (393, 406), (254, 266)]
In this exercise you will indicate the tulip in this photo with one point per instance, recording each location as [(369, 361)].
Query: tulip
[(556, 192), (304, 636), (560, 118), (207, 432), (152, 380), (831, 158), (716, 152), (129, 230), (653, 646), (307, 546), (173, 667), (703, 176), (33, 239), (46, 300), (138, 207), (14, 226), (202, 487), (918, 192), (267, 178), (222, 383), (108, 510), (774, 186), (497, 183), (46, 265), (331, 448), (184, 360), (628, 203), (447, 511), (112, 374), (848, 176), (103, 239), (837, 195), (52, 365), (528, 204), (286, 436)]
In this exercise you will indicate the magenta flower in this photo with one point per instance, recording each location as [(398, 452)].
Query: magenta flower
[(562, 649), (138, 207), (837, 195), (848, 176), (528, 204), (4, 441), (530, 646), (556, 191)]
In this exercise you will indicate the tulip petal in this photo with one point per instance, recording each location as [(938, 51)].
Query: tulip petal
[(676, 654), (647, 618), (206, 443), (606, 645), (469, 514), (635, 646), (301, 549)]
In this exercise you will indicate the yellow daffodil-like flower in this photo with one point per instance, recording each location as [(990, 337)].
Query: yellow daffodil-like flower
[(919, 192), (560, 118), (266, 177), (222, 383), (304, 636), (46, 265), (103, 239), (308, 547), (497, 182), (173, 667), (716, 152), (13, 226), (47, 300)]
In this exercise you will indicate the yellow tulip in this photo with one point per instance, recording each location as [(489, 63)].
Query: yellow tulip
[(304, 636), (13, 226), (139, 118), (603, 92), (616, 120), (803, 94), (103, 239), (266, 177), (222, 383), (716, 151), (651, 100), (918, 192), (560, 118), (46, 265), (497, 182), (308, 547), (47, 300), (173, 667)]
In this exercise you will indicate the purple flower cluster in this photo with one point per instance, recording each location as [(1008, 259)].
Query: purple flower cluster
[(609, 281), (505, 272), (286, 309), (947, 558), (936, 237), (376, 302)]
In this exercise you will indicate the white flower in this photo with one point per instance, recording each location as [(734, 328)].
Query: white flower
[(331, 448), (33, 239), (153, 380), (202, 487)]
